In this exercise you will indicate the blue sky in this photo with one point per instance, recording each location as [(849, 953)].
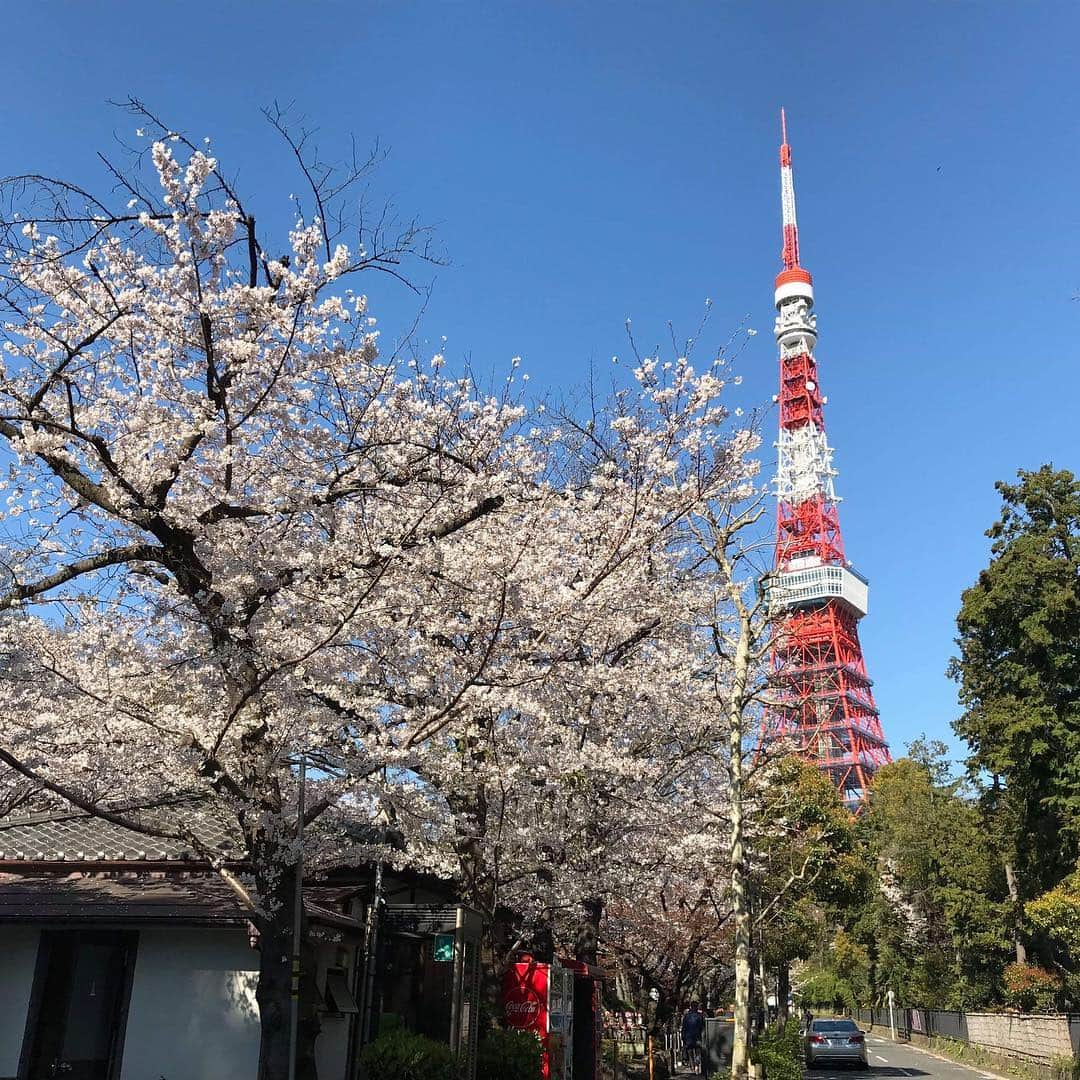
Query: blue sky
[(591, 162)]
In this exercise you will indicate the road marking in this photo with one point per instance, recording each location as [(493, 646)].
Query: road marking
[(949, 1061), (880, 1058)]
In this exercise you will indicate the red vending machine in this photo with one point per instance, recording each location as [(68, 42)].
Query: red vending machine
[(540, 997)]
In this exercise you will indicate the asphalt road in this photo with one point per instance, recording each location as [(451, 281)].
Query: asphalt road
[(888, 1059)]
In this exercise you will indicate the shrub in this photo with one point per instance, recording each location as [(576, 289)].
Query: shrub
[(506, 1054), (400, 1055), (1065, 1068), (1028, 987), (1057, 914), (779, 1052)]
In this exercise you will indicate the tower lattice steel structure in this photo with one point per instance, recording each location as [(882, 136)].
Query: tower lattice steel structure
[(821, 696)]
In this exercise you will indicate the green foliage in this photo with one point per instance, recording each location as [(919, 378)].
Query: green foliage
[(779, 1052), (823, 986), (1030, 988), (1018, 669), (811, 862), (851, 962), (400, 1055), (506, 1054), (840, 977), (1065, 1068), (1057, 914), (935, 928)]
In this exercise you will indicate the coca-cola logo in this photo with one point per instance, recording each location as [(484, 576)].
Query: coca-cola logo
[(522, 1008)]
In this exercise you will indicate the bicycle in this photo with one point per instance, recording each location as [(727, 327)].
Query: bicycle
[(691, 1056)]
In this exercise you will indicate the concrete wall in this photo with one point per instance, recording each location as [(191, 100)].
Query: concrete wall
[(18, 957), (332, 1045), (193, 1012), (1038, 1038)]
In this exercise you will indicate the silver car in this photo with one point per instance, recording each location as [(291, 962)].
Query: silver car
[(834, 1040)]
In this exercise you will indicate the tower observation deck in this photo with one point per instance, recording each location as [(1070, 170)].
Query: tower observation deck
[(820, 695)]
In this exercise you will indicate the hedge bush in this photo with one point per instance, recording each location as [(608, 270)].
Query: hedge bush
[(1028, 988), (506, 1054), (779, 1052), (400, 1055)]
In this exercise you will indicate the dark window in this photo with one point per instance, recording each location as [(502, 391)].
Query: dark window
[(834, 1025), (79, 1006), (417, 989)]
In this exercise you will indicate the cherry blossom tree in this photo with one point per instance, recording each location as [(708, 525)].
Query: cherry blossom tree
[(238, 534), (223, 510), (564, 798)]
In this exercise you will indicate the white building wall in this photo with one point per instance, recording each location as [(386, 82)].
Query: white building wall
[(332, 1047), (18, 950), (193, 1012)]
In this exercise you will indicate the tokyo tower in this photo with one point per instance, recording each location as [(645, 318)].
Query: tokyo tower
[(820, 696)]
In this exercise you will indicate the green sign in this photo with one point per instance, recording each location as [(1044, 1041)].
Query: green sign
[(444, 949)]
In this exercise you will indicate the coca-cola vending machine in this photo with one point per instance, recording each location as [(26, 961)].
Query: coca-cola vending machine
[(540, 997)]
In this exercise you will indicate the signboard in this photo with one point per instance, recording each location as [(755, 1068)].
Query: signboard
[(443, 949)]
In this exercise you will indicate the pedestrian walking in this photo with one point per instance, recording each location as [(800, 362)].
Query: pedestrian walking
[(693, 1024)]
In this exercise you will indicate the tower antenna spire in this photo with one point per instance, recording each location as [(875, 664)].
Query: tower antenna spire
[(787, 200)]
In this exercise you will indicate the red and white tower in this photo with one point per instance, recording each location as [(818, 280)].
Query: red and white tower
[(821, 696)]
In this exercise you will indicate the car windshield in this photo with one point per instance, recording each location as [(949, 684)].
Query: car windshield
[(834, 1025)]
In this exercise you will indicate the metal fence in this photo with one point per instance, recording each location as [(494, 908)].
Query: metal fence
[(949, 1024), (630, 1039), (673, 1044), (943, 1022)]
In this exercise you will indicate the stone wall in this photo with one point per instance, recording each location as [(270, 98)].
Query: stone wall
[(1036, 1038)]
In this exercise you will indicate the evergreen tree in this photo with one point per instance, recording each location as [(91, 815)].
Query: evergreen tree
[(1019, 673)]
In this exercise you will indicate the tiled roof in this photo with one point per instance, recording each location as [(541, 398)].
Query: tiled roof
[(197, 898), (175, 897), (80, 837)]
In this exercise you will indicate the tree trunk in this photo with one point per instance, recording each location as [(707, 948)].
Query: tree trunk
[(740, 1047), (274, 992), (542, 944), (1016, 914), (273, 996), (763, 980), (588, 932), (783, 991), (479, 888), (740, 900), (662, 1014)]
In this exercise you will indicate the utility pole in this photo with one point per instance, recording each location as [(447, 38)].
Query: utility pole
[(298, 925)]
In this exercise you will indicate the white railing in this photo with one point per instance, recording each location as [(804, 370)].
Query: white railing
[(808, 585)]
